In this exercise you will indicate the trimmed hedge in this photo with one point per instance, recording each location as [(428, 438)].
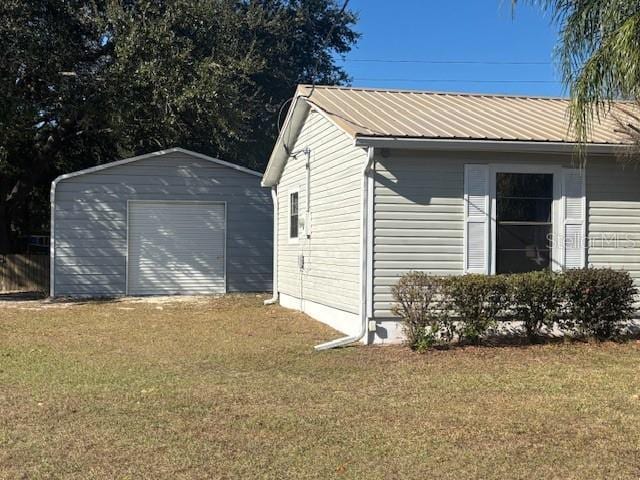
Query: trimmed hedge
[(471, 305), (416, 296), (592, 302), (598, 301), (537, 300)]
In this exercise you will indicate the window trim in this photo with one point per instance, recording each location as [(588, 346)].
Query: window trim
[(289, 237), (556, 207)]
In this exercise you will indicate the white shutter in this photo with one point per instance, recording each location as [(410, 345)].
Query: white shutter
[(574, 218), (476, 218)]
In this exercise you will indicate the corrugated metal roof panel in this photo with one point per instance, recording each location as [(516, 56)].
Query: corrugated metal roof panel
[(414, 114)]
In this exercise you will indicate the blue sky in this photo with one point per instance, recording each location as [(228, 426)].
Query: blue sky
[(449, 31)]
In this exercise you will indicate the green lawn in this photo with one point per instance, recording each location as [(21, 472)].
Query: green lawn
[(229, 388)]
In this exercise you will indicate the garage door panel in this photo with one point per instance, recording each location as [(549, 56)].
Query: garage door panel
[(176, 247)]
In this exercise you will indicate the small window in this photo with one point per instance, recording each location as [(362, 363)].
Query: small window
[(523, 221), (293, 215)]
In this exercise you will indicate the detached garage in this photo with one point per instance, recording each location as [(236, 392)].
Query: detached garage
[(165, 223)]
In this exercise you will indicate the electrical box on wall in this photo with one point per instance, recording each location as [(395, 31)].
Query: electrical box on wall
[(307, 224), (301, 262), (304, 224)]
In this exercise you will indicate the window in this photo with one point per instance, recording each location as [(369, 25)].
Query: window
[(523, 217), (293, 215), (523, 221)]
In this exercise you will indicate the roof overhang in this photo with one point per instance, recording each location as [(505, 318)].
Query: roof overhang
[(404, 143), (302, 104), (286, 139)]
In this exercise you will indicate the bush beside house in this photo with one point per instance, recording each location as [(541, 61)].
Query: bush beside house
[(441, 310), (598, 301)]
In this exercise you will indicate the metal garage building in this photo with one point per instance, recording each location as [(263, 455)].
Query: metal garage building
[(169, 222)]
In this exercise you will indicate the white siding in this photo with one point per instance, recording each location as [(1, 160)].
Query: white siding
[(613, 207), (419, 212), (419, 220), (90, 221), (331, 274)]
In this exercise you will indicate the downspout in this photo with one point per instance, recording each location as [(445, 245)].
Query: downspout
[(274, 198), (367, 221), (307, 217), (52, 238)]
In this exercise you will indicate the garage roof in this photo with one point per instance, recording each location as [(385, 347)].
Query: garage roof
[(159, 153)]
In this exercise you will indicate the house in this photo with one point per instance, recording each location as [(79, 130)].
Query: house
[(374, 183), (169, 222)]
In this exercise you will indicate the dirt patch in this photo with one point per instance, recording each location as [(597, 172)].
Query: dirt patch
[(163, 299), (37, 301)]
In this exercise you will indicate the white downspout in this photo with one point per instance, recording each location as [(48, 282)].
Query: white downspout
[(367, 201), (52, 238), (274, 198), (307, 217)]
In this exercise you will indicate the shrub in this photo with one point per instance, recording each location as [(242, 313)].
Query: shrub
[(471, 305), (415, 297), (434, 309), (536, 299), (599, 300)]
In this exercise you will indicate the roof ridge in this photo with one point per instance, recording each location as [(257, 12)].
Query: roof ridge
[(434, 92)]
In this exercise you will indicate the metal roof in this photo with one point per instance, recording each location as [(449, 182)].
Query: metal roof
[(412, 119), (159, 153), (366, 112)]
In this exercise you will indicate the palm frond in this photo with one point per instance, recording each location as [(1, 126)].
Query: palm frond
[(598, 55)]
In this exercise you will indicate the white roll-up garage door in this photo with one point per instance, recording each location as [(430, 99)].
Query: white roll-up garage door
[(176, 248)]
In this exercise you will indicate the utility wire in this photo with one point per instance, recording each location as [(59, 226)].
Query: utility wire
[(450, 80), (326, 39), (324, 44), (442, 62), (313, 79)]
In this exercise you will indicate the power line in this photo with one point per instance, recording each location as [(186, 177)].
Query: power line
[(451, 80), (325, 42), (441, 62)]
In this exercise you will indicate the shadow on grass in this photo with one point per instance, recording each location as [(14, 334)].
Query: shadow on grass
[(22, 296), (86, 301), (139, 299), (518, 340), (35, 295)]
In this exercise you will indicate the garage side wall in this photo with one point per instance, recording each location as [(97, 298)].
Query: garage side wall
[(90, 215)]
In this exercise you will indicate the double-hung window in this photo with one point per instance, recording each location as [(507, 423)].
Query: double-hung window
[(293, 215), (521, 218), (524, 221)]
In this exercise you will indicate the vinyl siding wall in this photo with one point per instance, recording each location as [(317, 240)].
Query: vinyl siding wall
[(90, 215), (419, 213), (613, 208), (331, 274)]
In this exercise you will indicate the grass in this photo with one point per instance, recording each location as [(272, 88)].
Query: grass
[(229, 388)]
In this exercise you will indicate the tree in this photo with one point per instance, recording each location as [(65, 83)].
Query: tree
[(47, 121), (86, 82), (599, 55)]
